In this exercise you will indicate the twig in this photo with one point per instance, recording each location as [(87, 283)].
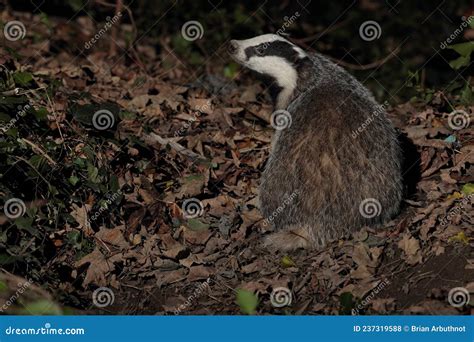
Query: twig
[(54, 114), (372, 65), (155, 138), (34, 168), (348, 65), (217, 300), (15, 91), (113, 46), (39, 150), (19, 91), (132, 287), (134, 27)]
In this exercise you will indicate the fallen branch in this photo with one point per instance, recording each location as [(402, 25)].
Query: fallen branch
[(12, 92), (155, 138), (39, 150), (372, 65)]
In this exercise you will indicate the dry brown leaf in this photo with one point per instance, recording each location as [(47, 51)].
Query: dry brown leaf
[(99, 267), (411, 247), (200, 273), (81, 217)]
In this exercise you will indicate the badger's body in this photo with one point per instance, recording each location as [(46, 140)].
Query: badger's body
[(337, 167)]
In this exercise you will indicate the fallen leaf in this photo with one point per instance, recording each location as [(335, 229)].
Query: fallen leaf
[(411, 247)]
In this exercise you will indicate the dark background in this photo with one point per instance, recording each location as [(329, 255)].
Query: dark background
[(413, 29)]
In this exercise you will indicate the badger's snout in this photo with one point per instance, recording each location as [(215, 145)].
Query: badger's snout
[(236, 51), (232, 47)]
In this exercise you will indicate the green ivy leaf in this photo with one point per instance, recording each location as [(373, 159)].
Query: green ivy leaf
[(127, 115), (114, 185), (468, 189), (3, 286), (41, 113), (460, 62), (80, 162), (41, 307), (230, 70), (26, 224), (6, 259), (73, 180), (22, 78), (93, 173), (53, 190), (347, 302), (467, 97), (464, 49), (197, 225), (247, 301), (286, 261)]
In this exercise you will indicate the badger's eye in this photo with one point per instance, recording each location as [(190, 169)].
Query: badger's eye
[(259, 51)]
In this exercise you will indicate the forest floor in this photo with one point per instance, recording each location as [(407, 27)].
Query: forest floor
[(113, 208)]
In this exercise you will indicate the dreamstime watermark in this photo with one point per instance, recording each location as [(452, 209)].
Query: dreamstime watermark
[(458, 119), (458, 297), (21, 289), (108, 24), (14, 208), (192, 208), (103, 119), (205, 286), (288, 21), (21, 112), (199, 111), (106, 205), (282, 207), (366, 301), (14, 30), (280, 297), (465, 23), (456, 210), (46, 330), (380, 110), (370, 30), (370, 208), (102, 297), (192, 30), (280, 119)]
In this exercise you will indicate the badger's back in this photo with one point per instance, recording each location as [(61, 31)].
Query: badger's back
[(337, 166), (340, 157)]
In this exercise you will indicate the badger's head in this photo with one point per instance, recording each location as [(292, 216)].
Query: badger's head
[(273, 56)]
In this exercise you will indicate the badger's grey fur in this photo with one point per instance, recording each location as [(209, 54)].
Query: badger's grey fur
[(339, 161)]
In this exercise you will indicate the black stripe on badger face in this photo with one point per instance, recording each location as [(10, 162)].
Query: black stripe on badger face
[(275, 58), (276, 48)]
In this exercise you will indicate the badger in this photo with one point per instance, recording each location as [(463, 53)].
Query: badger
[(335, 165)]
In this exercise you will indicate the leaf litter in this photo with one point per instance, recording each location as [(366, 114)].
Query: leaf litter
[(173, 141)]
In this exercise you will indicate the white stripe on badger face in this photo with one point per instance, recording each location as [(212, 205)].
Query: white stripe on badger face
[(264, 38), (281, 70), (277, 67), (301, 53)]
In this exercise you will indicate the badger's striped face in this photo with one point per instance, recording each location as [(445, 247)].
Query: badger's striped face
[(270, 55)]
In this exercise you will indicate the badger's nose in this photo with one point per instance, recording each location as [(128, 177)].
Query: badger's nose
[(232, 47)]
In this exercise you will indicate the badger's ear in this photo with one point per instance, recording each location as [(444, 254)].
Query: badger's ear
[(299, 53), (297, 59), (303, 61)]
